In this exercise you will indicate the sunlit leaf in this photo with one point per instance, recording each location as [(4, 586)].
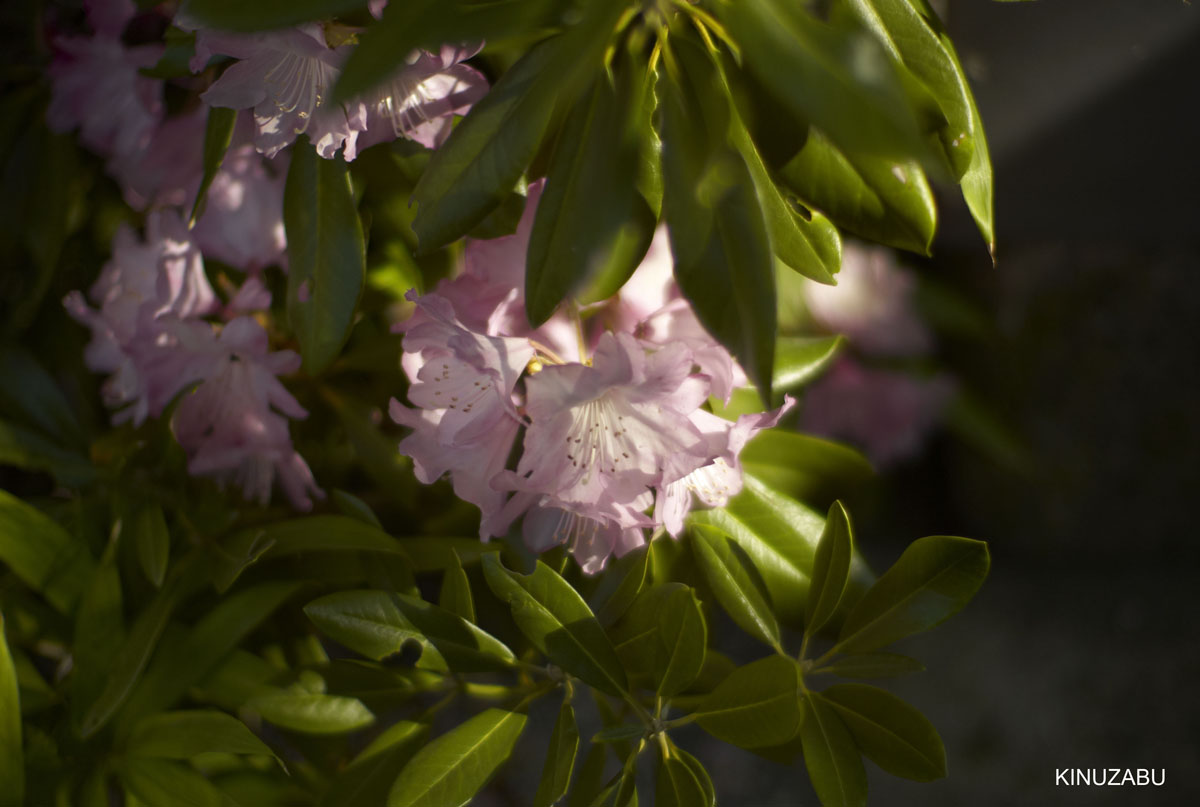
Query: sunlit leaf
[(756, 706), (804, 467), (311, 712), (831, 569), (891, 733), (736, 582), (681, 780), (12, 769), (830, 755), (799, 360)]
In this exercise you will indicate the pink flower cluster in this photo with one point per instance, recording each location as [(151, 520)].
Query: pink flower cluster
[(608, 403), (149, 333)]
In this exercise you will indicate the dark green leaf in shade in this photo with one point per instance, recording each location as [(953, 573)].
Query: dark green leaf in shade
[(933, 579), (831, 569), (27, 448), (182, 735), (872, 665), (505, 218), (449, 771), (805, 467), (33, 397), (42, 553), (455, 596), (738, 585), (265, 15), (12, 768), (756, 706), (890, 732), (368, 778), (621, 790), (312, 712), (719, 239), (378, 624), (560, 758), (153, 541), (629, 576), (326, 255), (179, 47), (218, 133), (165, 783), (684, 637), (883, 199), (800, 360), (558, 622), (99, 633), (590, 780), (621, 734), (831, 756), (592, 227), (839, 79), (354, 507), (204, 646), (681, 780)]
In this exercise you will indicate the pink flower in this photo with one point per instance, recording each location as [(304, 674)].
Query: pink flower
[(233, 426), (242, 222), (167, 171), (591, 540), (95, 86), (285, 77), (871, 304), (887, 414), (420, 101)]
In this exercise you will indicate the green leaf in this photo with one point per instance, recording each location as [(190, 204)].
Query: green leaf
[(558, 622), (894, 735), (12, 767), (33, 396), (933, 579), (99, 633), (182, 735), (153, 541), (684, 636), (872, 665), (736, 582), (840, 80), (780, 536), (312, 712), (26, 448), (805, 467), (265, 15), (629, 575), (163, 783), (42, 553), (591, 228), (453, 768), (722, 250), (560, 758), (368, 779), (455, 596), (832, 759), (800, 360), (621, 790), (218, 133), (879, 198), (831, 569), (590, 780), (681, 780), (621, 734), (326, 255), (756, 706), (354, 507)]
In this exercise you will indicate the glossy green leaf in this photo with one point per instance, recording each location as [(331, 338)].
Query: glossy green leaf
[(204, 646), (149, 531), (621, 790), (839, 79), (182, 735), (756, 706), (12, 768), (684, 637), (33, 396), (805, 467), (218, 133), (681, 780), (591, 228), (735, 581), (265, 15), (933, 579), (455, 596), (558, 622), (560, 758), (872, 665), (449, 771), (830, 755), (326, 255), (882, 199), (312, 712), (977, 184), (630, 576), (368, 779), (164, 783), (831, 569), (42, 553), (465, 647), (719, 239), (621, 734), (778, 534), (590, 780), (890, 732), (800, 360)]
